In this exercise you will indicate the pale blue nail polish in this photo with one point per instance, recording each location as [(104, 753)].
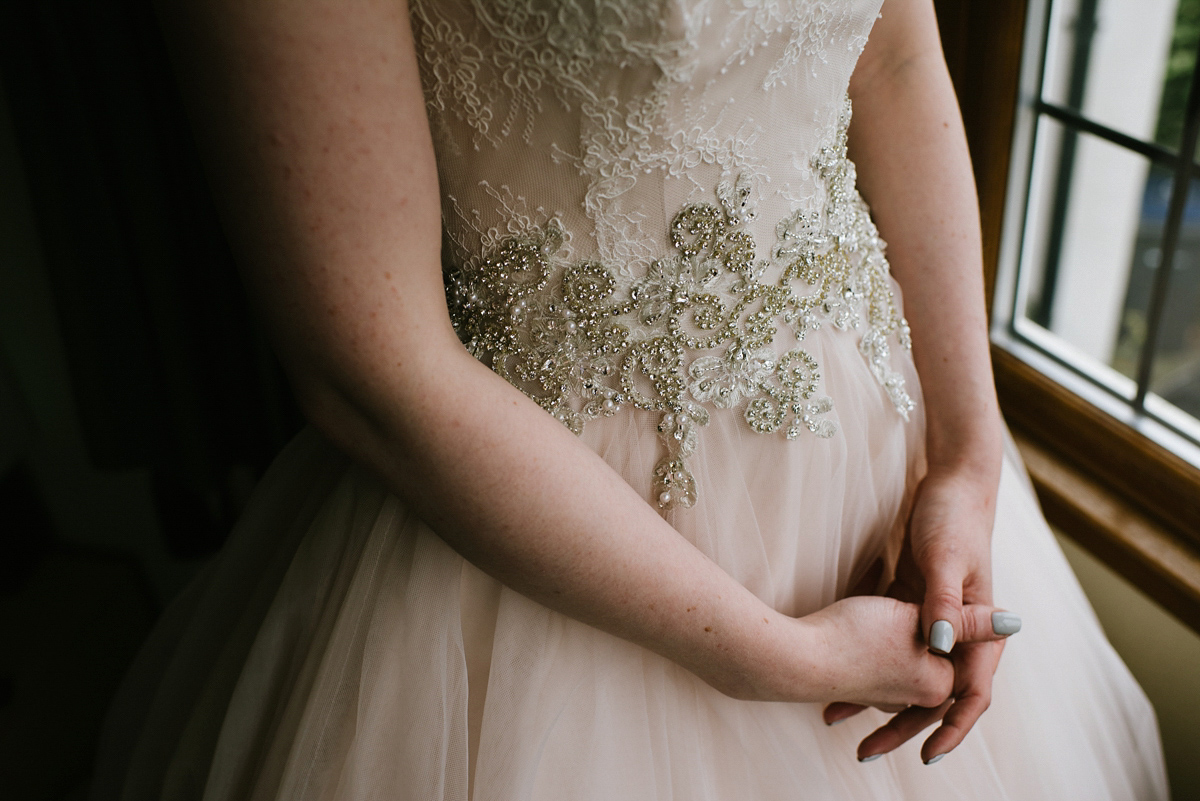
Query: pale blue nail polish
[(1005, 623), (934, 759), (870, 758), (941, 637), (836, 722)]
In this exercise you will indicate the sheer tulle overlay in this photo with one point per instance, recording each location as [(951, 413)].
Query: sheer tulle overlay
[(610, 170)]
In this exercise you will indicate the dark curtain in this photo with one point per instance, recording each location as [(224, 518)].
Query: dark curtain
[(169, 370)]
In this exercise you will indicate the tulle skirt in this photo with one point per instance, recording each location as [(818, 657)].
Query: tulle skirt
[(339, 649)]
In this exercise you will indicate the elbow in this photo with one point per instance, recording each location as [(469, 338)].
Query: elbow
[(381, 403), (331, 411)]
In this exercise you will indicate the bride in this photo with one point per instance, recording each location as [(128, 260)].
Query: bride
[(650, 474)]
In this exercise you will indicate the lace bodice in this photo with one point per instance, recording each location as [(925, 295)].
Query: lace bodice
[(648, 203)]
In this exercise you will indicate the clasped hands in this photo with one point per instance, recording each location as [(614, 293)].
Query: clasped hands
[(943, 578)]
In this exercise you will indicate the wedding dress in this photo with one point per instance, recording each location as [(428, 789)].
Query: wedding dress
[(651, 228)]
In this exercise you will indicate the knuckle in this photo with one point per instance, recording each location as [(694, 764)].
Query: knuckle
[(968, 710), (979, 619), (941, 556), (934, 692), (956, 732), (980, 694), (970, 627), (944, 597)]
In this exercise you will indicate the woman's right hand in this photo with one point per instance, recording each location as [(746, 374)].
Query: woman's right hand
[(868, 650), (872, 653)]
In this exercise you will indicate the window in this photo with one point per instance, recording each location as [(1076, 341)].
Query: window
[(1103, 275), (1083, 118)]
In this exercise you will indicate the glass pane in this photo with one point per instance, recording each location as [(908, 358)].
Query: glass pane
[(1175, 375), (1142, 269), (1093, 240), (1126, 64)]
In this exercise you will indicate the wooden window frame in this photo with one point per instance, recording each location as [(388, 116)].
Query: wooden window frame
[(1123, 496)]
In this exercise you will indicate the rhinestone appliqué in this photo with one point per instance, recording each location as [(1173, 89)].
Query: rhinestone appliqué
[(698, 328)]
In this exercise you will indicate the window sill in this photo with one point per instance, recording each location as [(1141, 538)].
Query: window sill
[(1107, 487), (1114, 532)]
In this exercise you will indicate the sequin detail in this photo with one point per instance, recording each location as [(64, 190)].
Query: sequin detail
[(697, 329)]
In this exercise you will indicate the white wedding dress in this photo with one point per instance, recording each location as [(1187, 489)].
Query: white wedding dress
[(652, 228)]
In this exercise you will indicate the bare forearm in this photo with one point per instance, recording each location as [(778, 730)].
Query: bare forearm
[(521, 497), (311, 115), (915, 173)]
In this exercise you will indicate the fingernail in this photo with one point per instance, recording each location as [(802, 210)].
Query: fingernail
[(835, 722), (934, 759), (870, 758), (1005, 623), (941, 637)]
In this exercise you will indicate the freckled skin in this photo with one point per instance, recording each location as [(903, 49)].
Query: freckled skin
[(914, 171), (313, 124)]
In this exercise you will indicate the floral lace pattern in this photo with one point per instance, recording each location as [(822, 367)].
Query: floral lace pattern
[(498, 67), (521, 47), (497, 73), (697, 328), (824, 22)]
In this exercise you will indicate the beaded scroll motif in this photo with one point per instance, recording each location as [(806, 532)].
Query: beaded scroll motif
[(697, 329)]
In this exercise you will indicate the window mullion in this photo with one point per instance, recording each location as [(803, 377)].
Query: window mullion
[(1085, 28), (1076, 122), (1034, 91)]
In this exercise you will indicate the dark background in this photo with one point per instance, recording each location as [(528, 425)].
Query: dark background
[(139, 403)]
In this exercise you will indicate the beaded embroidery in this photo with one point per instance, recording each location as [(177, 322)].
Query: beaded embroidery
[(698, 327)]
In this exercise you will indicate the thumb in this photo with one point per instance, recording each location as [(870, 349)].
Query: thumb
[(982, 623), (941, 612)]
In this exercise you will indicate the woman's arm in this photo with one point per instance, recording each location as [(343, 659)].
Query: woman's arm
[(313, 124), (908, 142)]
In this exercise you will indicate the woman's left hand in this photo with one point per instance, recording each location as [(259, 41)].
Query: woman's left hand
[(945, 563), (914, 170)]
